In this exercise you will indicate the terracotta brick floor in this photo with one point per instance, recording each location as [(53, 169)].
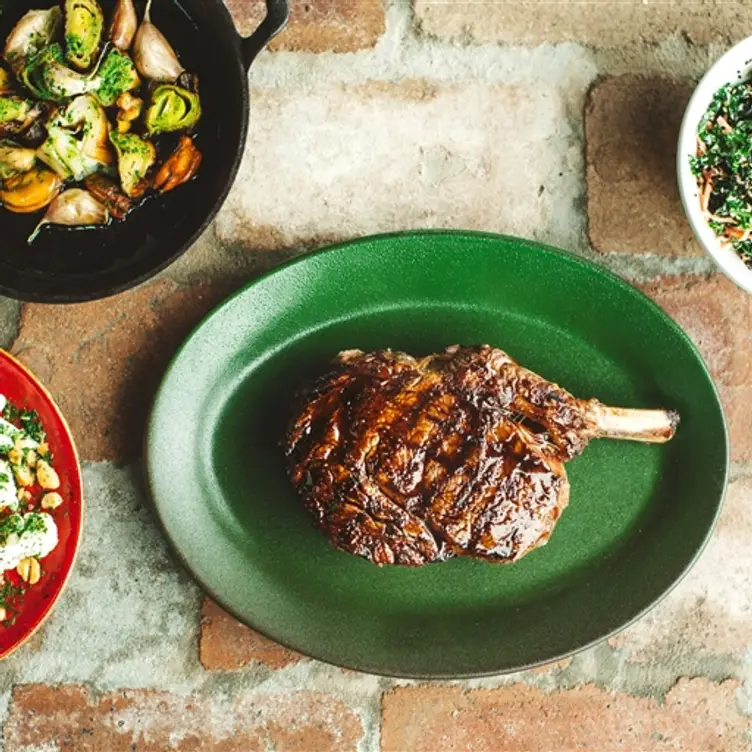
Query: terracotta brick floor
[(551, 120)]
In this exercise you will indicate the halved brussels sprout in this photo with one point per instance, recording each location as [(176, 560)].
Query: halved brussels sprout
[(84, 22), (30, 35), (116, 75), (15, 159), (77, 140), (172, 108), (136, 157), (16, 115), (47, 76)]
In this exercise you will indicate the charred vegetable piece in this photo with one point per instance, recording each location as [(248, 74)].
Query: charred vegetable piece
[(189, 81), (16, 115), (47, 76), (30, 191), (84, 22), (15, 159), (130, 109), (36, 134), (172, 108), (108, 193), (182, 166), (154, 56), (136, 157), (30, 35), (116, 75), (6, 82), (73, 208), (77, 142), (124, 25)]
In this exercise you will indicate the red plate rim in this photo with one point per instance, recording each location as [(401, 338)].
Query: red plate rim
[(41, 599)]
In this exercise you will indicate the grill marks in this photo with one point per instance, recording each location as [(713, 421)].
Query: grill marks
[(411, 461)]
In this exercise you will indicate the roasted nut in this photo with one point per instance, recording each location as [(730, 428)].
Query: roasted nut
[(47, 476), (24, 475), (29, 570), (15, 456), (51, 500), (44, 449)]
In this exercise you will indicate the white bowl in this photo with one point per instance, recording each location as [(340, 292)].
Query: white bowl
[(735, 65)]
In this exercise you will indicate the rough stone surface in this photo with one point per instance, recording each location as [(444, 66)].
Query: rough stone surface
[(631, 127), (600, 24), (228, 645), (697, 715), (103, 361), (70, 718), (318, 25), (717, 315), (378, 157), (706, 613)]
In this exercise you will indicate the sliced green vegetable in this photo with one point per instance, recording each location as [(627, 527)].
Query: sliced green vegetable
[(14, 108), (117, 74), (172, 108), (76, 144), (84, 22), (136, 157), (16, 115)]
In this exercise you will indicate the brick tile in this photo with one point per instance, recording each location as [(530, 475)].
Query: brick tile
[(103, 361), (416, 155), (717, 315), (697, 714), (599, 24), (228, 645), (711, 609), (633, 204), (318, 25), (69, 718)]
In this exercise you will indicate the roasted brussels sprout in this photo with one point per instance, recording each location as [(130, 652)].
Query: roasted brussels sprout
[(172, 108), (136, 157), (84, 22), (77, 141), (116, 75), (16, 115), (47, 76)]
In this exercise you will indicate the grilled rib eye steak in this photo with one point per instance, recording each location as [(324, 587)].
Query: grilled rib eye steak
[(409, 461)]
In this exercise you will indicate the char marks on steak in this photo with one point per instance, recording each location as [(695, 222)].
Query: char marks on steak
[(408, 461)]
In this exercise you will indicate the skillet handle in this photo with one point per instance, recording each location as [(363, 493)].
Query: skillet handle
[(277, 13)]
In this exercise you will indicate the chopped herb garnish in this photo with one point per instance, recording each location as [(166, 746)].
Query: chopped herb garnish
[(723, 166)]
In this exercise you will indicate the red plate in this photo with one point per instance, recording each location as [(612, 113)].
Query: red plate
[(24, 391)]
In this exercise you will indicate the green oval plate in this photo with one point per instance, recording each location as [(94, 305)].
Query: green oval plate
[(638, 517)]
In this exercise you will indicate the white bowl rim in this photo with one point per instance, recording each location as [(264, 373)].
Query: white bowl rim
[(735, 63)]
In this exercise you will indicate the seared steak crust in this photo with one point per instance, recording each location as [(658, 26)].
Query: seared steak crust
[(407, 461)]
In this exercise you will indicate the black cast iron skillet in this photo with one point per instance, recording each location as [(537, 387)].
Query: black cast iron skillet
[(66, 266)]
